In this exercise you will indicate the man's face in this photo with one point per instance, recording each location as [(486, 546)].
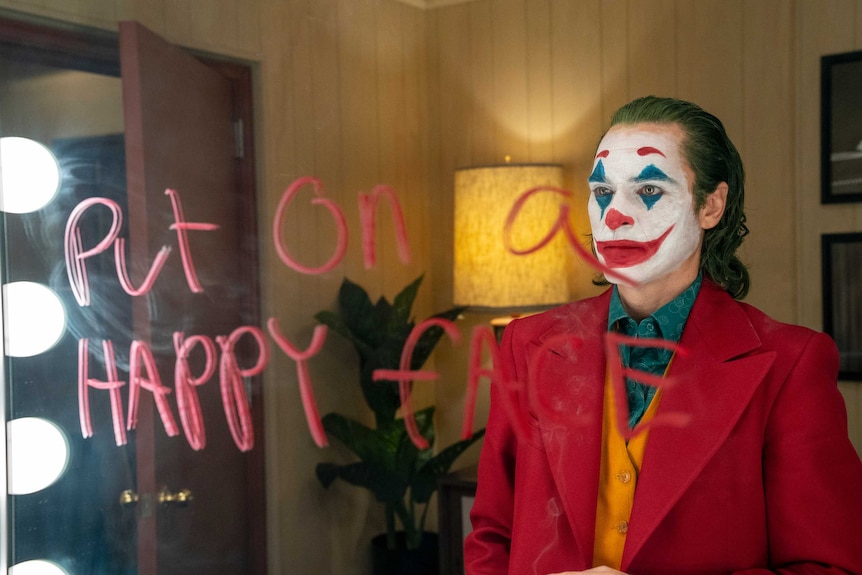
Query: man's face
[(641, 205)]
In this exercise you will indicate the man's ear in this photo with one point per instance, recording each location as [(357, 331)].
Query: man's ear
[(713, 208)]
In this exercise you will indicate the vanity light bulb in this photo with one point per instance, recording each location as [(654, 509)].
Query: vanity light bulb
[(37, 567), (37, 454), (30, 175), (34, 318)]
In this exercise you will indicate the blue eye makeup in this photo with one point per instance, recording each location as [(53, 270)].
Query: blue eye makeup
[(653, 173), (598, 175), (603, 198), (651, 194), (602, 194)]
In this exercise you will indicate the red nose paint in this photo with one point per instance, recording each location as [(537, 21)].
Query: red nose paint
[(615, 219)]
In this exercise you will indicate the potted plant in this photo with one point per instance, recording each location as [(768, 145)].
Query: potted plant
[(400, 475)]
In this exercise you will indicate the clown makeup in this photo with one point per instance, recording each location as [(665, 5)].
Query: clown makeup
[(641, 205)]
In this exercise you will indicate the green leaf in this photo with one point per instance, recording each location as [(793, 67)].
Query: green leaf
[(409, 458), (382, 396), (359, 315), (425, 482), (334, 322), (425, 422), (382, 317), (429, 339), (374, 445), (386, 486), (403, 304), (348, 431)]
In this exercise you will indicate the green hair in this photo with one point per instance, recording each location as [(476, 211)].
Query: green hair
[(714, 159)]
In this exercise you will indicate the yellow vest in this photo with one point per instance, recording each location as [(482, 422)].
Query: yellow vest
[(620, 466)]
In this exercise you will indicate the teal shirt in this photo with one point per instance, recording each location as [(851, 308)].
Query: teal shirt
[(666, 323)]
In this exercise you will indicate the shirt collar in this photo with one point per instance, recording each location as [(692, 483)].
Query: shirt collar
[(669, 319)]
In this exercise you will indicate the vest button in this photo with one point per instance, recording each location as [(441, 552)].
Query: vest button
[(624, 477), (623, 527)]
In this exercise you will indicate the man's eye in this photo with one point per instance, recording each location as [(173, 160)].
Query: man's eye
[(650, 191), (599, 191)]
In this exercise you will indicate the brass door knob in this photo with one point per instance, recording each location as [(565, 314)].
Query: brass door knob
[(128, 498), (181, 498)]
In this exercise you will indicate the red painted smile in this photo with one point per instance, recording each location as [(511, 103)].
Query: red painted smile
[(628, 253)]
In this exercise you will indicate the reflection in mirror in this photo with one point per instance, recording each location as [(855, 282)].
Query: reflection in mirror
[(37, 567), (37, 454), (74, 524), (60, 87), (30, 173), (34, 319)]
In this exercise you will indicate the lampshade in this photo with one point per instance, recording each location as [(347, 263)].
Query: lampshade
[(486, 274)]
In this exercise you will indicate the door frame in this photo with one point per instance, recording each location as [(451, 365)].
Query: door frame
[(79, 47)]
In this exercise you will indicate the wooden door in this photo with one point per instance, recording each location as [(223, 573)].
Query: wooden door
[(181, 135)]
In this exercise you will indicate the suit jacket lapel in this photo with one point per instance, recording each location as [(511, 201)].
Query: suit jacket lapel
[(570, 368), (710, 388)]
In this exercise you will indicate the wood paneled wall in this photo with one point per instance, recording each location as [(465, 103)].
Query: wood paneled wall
[(365, 92), (821, 28), (345, 99)]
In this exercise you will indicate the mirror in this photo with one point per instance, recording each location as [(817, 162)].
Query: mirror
[(108, 471), (74, 117)]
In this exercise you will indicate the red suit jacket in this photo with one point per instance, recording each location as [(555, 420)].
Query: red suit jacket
[(762, 479)]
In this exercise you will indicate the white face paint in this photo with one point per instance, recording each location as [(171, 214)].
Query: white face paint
[(641, 204)]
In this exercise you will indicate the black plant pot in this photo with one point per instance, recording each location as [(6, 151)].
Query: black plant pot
[(403, 561)]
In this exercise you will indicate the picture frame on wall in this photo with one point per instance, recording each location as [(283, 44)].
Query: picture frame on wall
[(842, 305), (841, 127)]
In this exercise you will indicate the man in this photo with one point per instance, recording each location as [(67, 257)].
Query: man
[(737, 462)]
